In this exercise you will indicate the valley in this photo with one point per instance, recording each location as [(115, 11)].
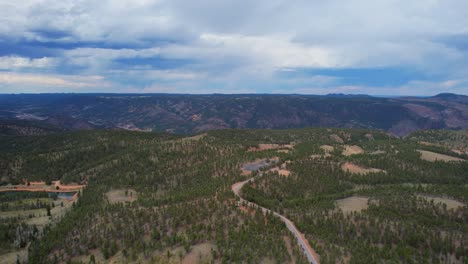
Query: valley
[(194, 114)]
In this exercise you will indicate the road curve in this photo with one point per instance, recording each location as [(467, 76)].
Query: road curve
[(301, 240)]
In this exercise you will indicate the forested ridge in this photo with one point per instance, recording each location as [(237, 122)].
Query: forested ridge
[(179, 197)]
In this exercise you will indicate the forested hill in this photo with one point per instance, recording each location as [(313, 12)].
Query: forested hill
[(357, 195), (197, 113)]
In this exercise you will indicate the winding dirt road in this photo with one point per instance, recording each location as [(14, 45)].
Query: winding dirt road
[(301, 240)]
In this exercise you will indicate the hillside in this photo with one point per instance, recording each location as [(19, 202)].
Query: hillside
[(197, 113), (26, 128), (358, 196)]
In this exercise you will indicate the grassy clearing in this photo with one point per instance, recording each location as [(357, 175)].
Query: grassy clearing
[(11, 257), (356, 169), (193, 138), (200, 253), (432, 156), (271, 146), (121, 196), (327, 148), (24, 213), (450, 203), (336, 138), (352, 150), (40, 222), (59, 211), (353, 204), (281, 172), (30, 201), (378, 152)]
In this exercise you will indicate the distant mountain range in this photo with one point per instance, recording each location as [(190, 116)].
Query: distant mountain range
[(196, 113)]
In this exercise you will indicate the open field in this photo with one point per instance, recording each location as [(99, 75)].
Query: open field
[(192, 138), (432, 156), (352, 204), (356, 169), (56, 187), (11, 257), (122, 196), (24, 213), (352, 150), (450, 203)]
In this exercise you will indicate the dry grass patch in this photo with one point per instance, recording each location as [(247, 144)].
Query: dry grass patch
[(193, 138), (378, 152), (353, 204), (289, 248), (336, 138), (352, 150), (200, 253), (432, 156), (121, 196), (261, 147), (24, 213), (327, 148), (11, 257), (281, 172), (450, 203), (356, 169)]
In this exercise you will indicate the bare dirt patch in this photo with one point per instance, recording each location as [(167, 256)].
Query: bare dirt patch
[(246, 172), (378, 152), (200, 253), (352, 150), (432, 156), (425, 143), (352, 204), (327, 148), (261, 147), (356, 169), (450, 203), (336, 138), (281, 172), (121, 196), (287, 241)]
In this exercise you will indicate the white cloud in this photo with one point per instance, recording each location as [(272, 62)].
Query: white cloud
[(74, 81), (16, 62), (231, 41)]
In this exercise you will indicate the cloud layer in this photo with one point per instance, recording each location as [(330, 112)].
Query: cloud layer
[(206, 46)]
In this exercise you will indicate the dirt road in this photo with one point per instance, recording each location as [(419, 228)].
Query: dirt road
[(301, 240)]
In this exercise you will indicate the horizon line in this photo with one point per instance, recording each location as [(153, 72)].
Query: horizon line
[(245, 94)]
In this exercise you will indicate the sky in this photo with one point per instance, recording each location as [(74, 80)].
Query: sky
[(385, 47)]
